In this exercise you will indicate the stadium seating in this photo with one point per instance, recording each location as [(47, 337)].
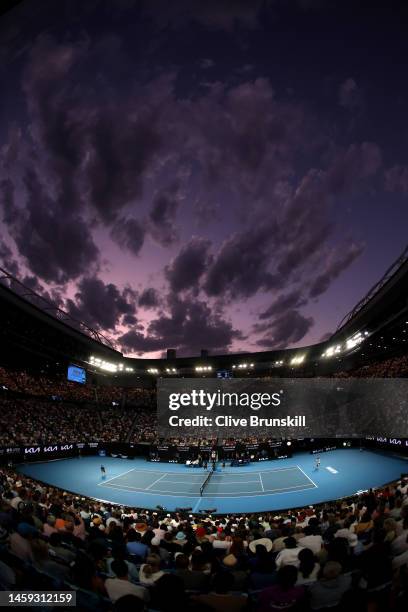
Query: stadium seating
[(356, 549)]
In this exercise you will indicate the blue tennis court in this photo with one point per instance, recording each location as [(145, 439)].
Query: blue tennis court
[(268, 485), (221, 484)]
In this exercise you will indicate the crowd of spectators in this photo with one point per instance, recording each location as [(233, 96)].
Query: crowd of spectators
[(138, 396), (116, 423), (44, 386), (396, 367), (40, 409), (27, 421), (24, 422), (40, 385), (346, 555), (349, 555)]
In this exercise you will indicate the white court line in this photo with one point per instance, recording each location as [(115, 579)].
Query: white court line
[(212, 481), (223, 481), (118, 476), (141, 470), (223, 477), (272, 470), (196, 505), (185, 481), (307, 476), (144, 492), (194, 495), (154, 482), (249, 473), (224, 494), (136, 469), (227, 482), (260, 479)]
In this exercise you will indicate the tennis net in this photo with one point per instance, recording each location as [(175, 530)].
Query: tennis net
[(205, 483)]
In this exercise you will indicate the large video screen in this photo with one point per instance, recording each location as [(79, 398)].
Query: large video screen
[(224, 374), (76, 374)]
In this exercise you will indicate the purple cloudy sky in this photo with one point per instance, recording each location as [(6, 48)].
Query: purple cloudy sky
[(229, 175)]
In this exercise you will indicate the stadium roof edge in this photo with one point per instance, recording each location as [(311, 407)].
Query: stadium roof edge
[(392, 279), (387, 299), (53, 314)]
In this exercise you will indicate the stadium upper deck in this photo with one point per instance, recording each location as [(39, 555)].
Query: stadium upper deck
[(34, 330)]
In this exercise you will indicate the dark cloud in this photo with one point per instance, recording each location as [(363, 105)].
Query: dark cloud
[(121, 147), (129, 319), (49, 232), (283, 303), (189, 326), (108, 143), (206, 212), (129, 234), (245, 138), (304, 225), (101, 305), (163, 216), (136, 342), (295, 255), (353, 165), (240, 268), (396, 179), (56, 247), (187, 268), (7, 259), (337, 262), (149, 298), (56, 125), (96, 151), (266, 256), (53, 296), (7, 201), (11, 149), (287, 329)]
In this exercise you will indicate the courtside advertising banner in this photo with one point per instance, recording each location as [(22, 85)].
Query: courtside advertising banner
[(282, 408)]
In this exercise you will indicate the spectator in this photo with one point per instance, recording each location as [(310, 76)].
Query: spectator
[(129, 603), (20, 542), (284, 595), (328, 591), (308, 567), (135, 545), (150, 571), (120, 586), (312, 540), (289, 555), (49, 526), (221, 599), (193, 579)]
